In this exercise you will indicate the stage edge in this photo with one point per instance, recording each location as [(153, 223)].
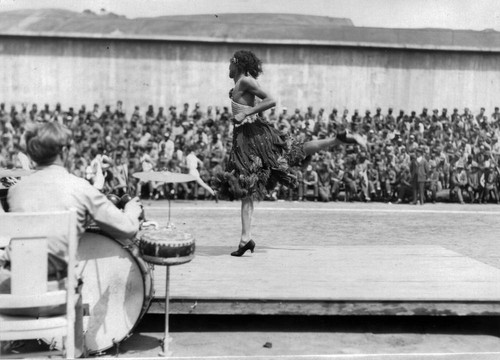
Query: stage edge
[(308, 307)]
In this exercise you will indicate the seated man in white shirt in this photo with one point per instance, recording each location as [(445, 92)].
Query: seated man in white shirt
[(51, 187)]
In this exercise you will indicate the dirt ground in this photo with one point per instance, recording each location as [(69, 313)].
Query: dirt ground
[(472, 230)]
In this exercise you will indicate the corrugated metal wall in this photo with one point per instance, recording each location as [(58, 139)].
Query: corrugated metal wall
[(88, 71)]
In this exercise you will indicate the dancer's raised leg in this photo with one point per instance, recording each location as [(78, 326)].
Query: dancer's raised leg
[(343, 138)]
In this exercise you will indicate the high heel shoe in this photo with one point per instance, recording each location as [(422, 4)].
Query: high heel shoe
[(355, 138), (250, 245)]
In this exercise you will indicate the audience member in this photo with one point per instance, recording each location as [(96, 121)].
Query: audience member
[(109, 145)]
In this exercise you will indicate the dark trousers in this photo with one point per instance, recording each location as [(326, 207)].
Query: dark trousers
[(419, 191), (315, 189)]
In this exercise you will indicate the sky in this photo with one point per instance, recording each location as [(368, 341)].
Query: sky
[(450, 14)]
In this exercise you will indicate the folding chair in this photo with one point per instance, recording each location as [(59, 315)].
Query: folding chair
[(29, 233)]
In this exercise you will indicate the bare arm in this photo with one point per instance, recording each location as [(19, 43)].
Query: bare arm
[(251, 86)]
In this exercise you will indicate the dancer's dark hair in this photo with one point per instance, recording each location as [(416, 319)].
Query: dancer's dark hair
[(247, 63)]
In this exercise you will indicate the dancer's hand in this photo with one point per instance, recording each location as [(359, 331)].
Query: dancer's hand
[(231, 93), (239, 117)]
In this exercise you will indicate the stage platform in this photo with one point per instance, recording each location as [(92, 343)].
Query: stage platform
[(331, 280)]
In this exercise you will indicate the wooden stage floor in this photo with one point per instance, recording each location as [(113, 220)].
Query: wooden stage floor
[(331, 280), (335, 259)]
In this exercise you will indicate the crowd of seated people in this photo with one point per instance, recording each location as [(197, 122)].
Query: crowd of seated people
[(411, 158)]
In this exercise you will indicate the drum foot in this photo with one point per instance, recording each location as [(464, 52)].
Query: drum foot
[(164, 343), (116, 344)]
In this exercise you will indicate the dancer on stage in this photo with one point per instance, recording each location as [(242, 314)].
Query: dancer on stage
[(261, 156)]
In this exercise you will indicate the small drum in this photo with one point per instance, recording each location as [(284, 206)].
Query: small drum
[(166, 246), (117, 287)]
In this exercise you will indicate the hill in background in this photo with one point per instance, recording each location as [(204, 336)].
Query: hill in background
[(238, 26), (251, 28)]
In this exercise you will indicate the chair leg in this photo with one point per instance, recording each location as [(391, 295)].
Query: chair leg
[(69, 347), (79, 342)]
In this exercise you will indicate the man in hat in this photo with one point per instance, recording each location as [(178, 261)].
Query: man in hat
[(167, 146), (379, 120), (119, 111), (457, 123), (490, 181), (367, 121), (310, 117), (458, 181), (160, 117), (172, 115), (356, 118), (333, 117), (495, 117), (444, 118), (319, 125), (310, 181), (389, 118), (119, 169), (345, 118), (473, 187), (419, 169), (433, 184), (412, 144), (297, 120), (482, 119), (425, 119), (468, 118), (184, 114), (197, 114), (283, 123)]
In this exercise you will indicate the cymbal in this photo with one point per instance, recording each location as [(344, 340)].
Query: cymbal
[(14, 172), (163, 176)]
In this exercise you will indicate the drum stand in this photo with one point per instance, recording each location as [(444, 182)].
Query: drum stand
[(167, 177), (170, 193), (167, 262), (166, 338)]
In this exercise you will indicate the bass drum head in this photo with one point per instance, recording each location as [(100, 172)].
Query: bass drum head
[(116, 290)]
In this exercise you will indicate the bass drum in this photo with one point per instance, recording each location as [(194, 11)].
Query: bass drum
[(117, 289)]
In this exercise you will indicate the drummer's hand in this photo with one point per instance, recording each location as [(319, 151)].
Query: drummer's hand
[(134, 207), (8, 181)]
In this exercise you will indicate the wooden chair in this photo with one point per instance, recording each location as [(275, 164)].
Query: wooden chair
[(29, 284)]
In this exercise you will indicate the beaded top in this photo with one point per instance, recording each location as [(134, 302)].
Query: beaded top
[(237, 108)]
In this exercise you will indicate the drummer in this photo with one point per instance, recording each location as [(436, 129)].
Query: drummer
[(51, 187)]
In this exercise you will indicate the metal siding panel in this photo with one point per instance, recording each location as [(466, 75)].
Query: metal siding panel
[(76, 71)]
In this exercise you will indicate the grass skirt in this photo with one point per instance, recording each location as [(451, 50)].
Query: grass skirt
[(260, 158)]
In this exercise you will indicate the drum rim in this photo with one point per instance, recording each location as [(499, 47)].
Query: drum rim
[(171, 261)]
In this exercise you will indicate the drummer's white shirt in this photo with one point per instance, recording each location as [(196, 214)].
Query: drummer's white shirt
[(54, 188)]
